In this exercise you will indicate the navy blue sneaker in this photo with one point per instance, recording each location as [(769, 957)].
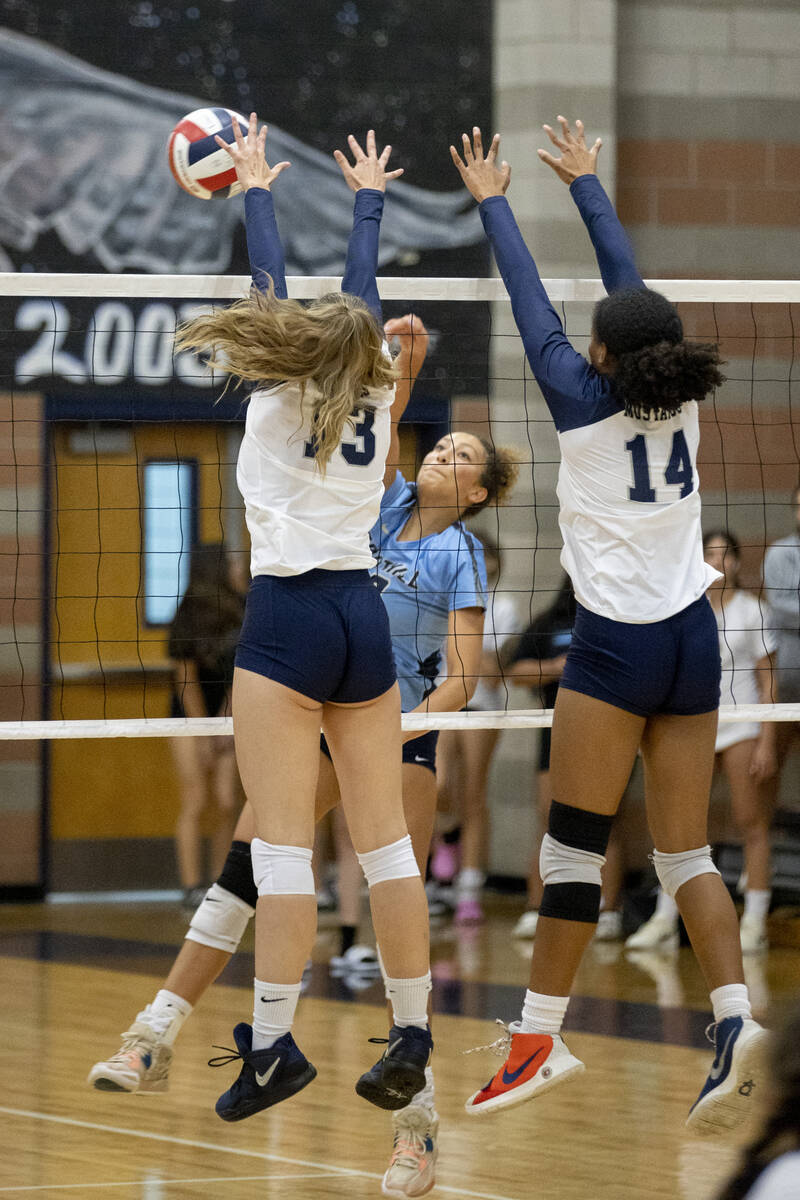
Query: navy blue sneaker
[(400, 1072), (736, 1074), (266, 1077)]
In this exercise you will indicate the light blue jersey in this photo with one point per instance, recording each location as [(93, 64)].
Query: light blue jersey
[(420, 584)]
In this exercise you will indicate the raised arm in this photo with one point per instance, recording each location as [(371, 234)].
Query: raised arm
[(256, 176), (563, 375), (367, 177), (577, 167), (413, 338)]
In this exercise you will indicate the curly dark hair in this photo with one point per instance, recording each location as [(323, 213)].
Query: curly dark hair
[(498, 477), (656, 370), (781, 1132)]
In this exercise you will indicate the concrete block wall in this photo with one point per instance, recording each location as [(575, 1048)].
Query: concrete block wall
[(709, 139)]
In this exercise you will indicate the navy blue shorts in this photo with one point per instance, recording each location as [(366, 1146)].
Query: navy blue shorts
[(420, 751), (670, 666), (323, 633)]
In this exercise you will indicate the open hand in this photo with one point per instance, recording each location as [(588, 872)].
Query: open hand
[(482, 176), (368, 170), (252, 168), (575, 159)]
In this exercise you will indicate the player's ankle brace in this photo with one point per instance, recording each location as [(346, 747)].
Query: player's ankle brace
[(220, 921), (674, 870), (237, 874), (395, 861), (571, 858), (282, 870)]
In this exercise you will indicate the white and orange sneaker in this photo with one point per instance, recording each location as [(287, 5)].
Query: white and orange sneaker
[(140, 1065), (534, 1063), (412, 1170)]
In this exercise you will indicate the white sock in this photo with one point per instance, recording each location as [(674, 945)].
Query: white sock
[(732, 1000), (166, 1015), (469, 883), (543, 1014), (273, 1011), (425, 1096), (409, 1000), (666, 908), (756, 905)]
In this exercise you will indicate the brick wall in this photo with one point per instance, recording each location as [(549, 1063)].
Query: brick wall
[(709, 128)]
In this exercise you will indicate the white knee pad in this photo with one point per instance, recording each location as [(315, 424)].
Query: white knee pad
[(395, 861), (674, 870), (220, 921), (565, 864), (282, 870)]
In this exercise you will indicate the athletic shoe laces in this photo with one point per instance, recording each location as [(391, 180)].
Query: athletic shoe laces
[(501, 1046), (409, 1142), (222, 1060), (158, 1022)]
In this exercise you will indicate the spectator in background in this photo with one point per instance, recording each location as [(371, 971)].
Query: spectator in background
[(202, 645), (745, 751), (538, 662), (782, 616), (770, 1169), (465, 755)]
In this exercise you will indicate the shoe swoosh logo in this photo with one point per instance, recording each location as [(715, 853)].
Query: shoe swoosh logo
[(716, 1070), (513, 1076), (274, 1000), (261, 1080)]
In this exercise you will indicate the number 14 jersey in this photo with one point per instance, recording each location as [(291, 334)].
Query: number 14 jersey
[(630, 513)]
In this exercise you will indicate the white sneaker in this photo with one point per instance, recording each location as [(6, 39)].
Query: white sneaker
[(753, 936), (140, 1065), (609, 926), (737, 1073), (526, 925), (659, 933), (412, 1170)]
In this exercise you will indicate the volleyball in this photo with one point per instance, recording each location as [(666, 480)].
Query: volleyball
[(199, 165)]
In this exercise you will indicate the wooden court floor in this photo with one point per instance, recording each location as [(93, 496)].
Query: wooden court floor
[(74, 977)]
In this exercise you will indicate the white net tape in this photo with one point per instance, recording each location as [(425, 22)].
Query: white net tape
[(534, 718)]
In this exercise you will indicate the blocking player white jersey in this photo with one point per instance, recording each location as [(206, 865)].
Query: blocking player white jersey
[(630, 514), (300, 519), (628, 486)]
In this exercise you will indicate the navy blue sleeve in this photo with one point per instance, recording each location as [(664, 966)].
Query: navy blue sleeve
[(576, 395), (362, 250), (611, 243), (263, 241)]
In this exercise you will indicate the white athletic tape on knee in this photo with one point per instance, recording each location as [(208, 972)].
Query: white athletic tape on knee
[(282, 870), (564, 864), (220, 921), (674, 870), (395, 861)]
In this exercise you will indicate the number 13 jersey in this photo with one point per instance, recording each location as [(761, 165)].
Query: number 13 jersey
[(300, 519), (630, 512)]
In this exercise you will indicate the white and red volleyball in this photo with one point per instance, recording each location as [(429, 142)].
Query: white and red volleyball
[(200, 166)]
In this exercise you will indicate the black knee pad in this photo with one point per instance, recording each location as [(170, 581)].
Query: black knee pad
[(579, 828), (574, 836), (237, 874)]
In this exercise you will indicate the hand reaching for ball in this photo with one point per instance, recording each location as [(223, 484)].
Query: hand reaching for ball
[(248, 154)]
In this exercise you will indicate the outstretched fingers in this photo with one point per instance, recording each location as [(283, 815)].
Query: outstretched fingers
[(554, 138), (355, 148)]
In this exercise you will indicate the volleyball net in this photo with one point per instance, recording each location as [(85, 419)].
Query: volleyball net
[(118, 461)]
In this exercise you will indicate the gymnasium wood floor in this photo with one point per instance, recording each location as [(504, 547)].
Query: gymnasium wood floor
[(74, 976)]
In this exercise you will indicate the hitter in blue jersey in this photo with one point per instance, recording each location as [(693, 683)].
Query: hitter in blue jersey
[(643, 668)]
